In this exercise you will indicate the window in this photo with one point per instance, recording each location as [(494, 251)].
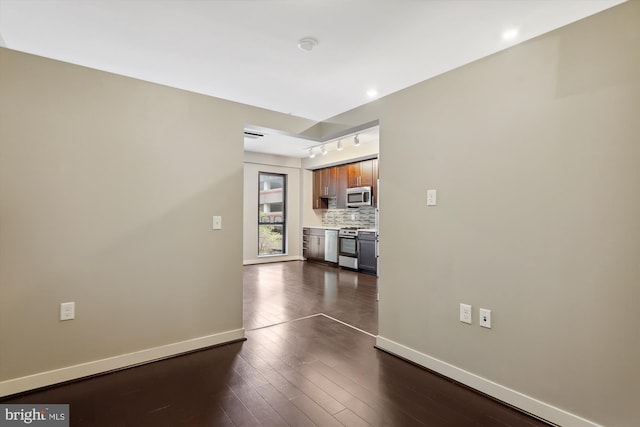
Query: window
[(272, 195)]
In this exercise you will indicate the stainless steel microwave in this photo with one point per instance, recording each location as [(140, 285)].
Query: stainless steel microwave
[(358, 196)]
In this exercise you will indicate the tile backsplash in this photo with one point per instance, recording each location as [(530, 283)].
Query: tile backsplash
[(363, 217)]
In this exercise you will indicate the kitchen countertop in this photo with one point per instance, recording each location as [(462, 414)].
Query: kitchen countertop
[(338, 228)]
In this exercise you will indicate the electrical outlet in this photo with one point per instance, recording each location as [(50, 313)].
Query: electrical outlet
[(465, 313), (67, 311), (485, 318)]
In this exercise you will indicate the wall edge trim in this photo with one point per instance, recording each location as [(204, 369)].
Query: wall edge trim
[(268, 260), (73, 372), (512, 397)]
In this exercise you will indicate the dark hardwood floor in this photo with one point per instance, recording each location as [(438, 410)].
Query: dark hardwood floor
[(305, 372), (280, 292)]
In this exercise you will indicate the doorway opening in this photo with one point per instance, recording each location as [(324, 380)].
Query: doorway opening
[(280, 285)]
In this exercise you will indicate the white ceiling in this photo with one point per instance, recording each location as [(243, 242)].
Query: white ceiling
[(246, 50), (279, 143)]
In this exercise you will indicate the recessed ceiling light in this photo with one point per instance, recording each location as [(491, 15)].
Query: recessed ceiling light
[(510, 34), (372, 93), (307, 44)]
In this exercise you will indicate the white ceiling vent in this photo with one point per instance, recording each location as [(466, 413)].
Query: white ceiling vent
[(252, 134)]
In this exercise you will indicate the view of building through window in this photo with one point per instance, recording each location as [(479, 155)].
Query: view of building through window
[(271, 213)]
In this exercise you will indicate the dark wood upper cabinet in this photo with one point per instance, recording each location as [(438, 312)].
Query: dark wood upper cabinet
[(353, 174), (329, 181), (341, 186), (366, 173), (333, 182), (325, 183), (319, 202), (361, 173)]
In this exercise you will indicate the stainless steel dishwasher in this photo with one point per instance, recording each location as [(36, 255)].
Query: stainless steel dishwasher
[(331, 245)]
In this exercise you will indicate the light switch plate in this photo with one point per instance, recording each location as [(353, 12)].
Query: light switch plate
[(217, 222), (67, 311), (431, 198)]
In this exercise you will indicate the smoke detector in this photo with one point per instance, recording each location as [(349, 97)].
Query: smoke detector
[(307, 44)]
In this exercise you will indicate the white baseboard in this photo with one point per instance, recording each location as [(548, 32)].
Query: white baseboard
[(519, 400), (272, 258), (43, 379)]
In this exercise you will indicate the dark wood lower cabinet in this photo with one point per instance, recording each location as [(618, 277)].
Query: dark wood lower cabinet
[(367, 256), (313, 244)]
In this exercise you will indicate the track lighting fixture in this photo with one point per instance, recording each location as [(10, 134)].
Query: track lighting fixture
[(339, 146)]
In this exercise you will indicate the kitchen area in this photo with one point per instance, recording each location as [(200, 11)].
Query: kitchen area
[(345, 200), (320, 205), (328, 202)]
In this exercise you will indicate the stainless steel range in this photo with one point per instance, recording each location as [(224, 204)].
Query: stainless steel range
[(348, 247)]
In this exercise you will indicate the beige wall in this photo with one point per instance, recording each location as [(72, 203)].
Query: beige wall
[(107, 189), (310, 217), (534, 152), (253, 164)]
